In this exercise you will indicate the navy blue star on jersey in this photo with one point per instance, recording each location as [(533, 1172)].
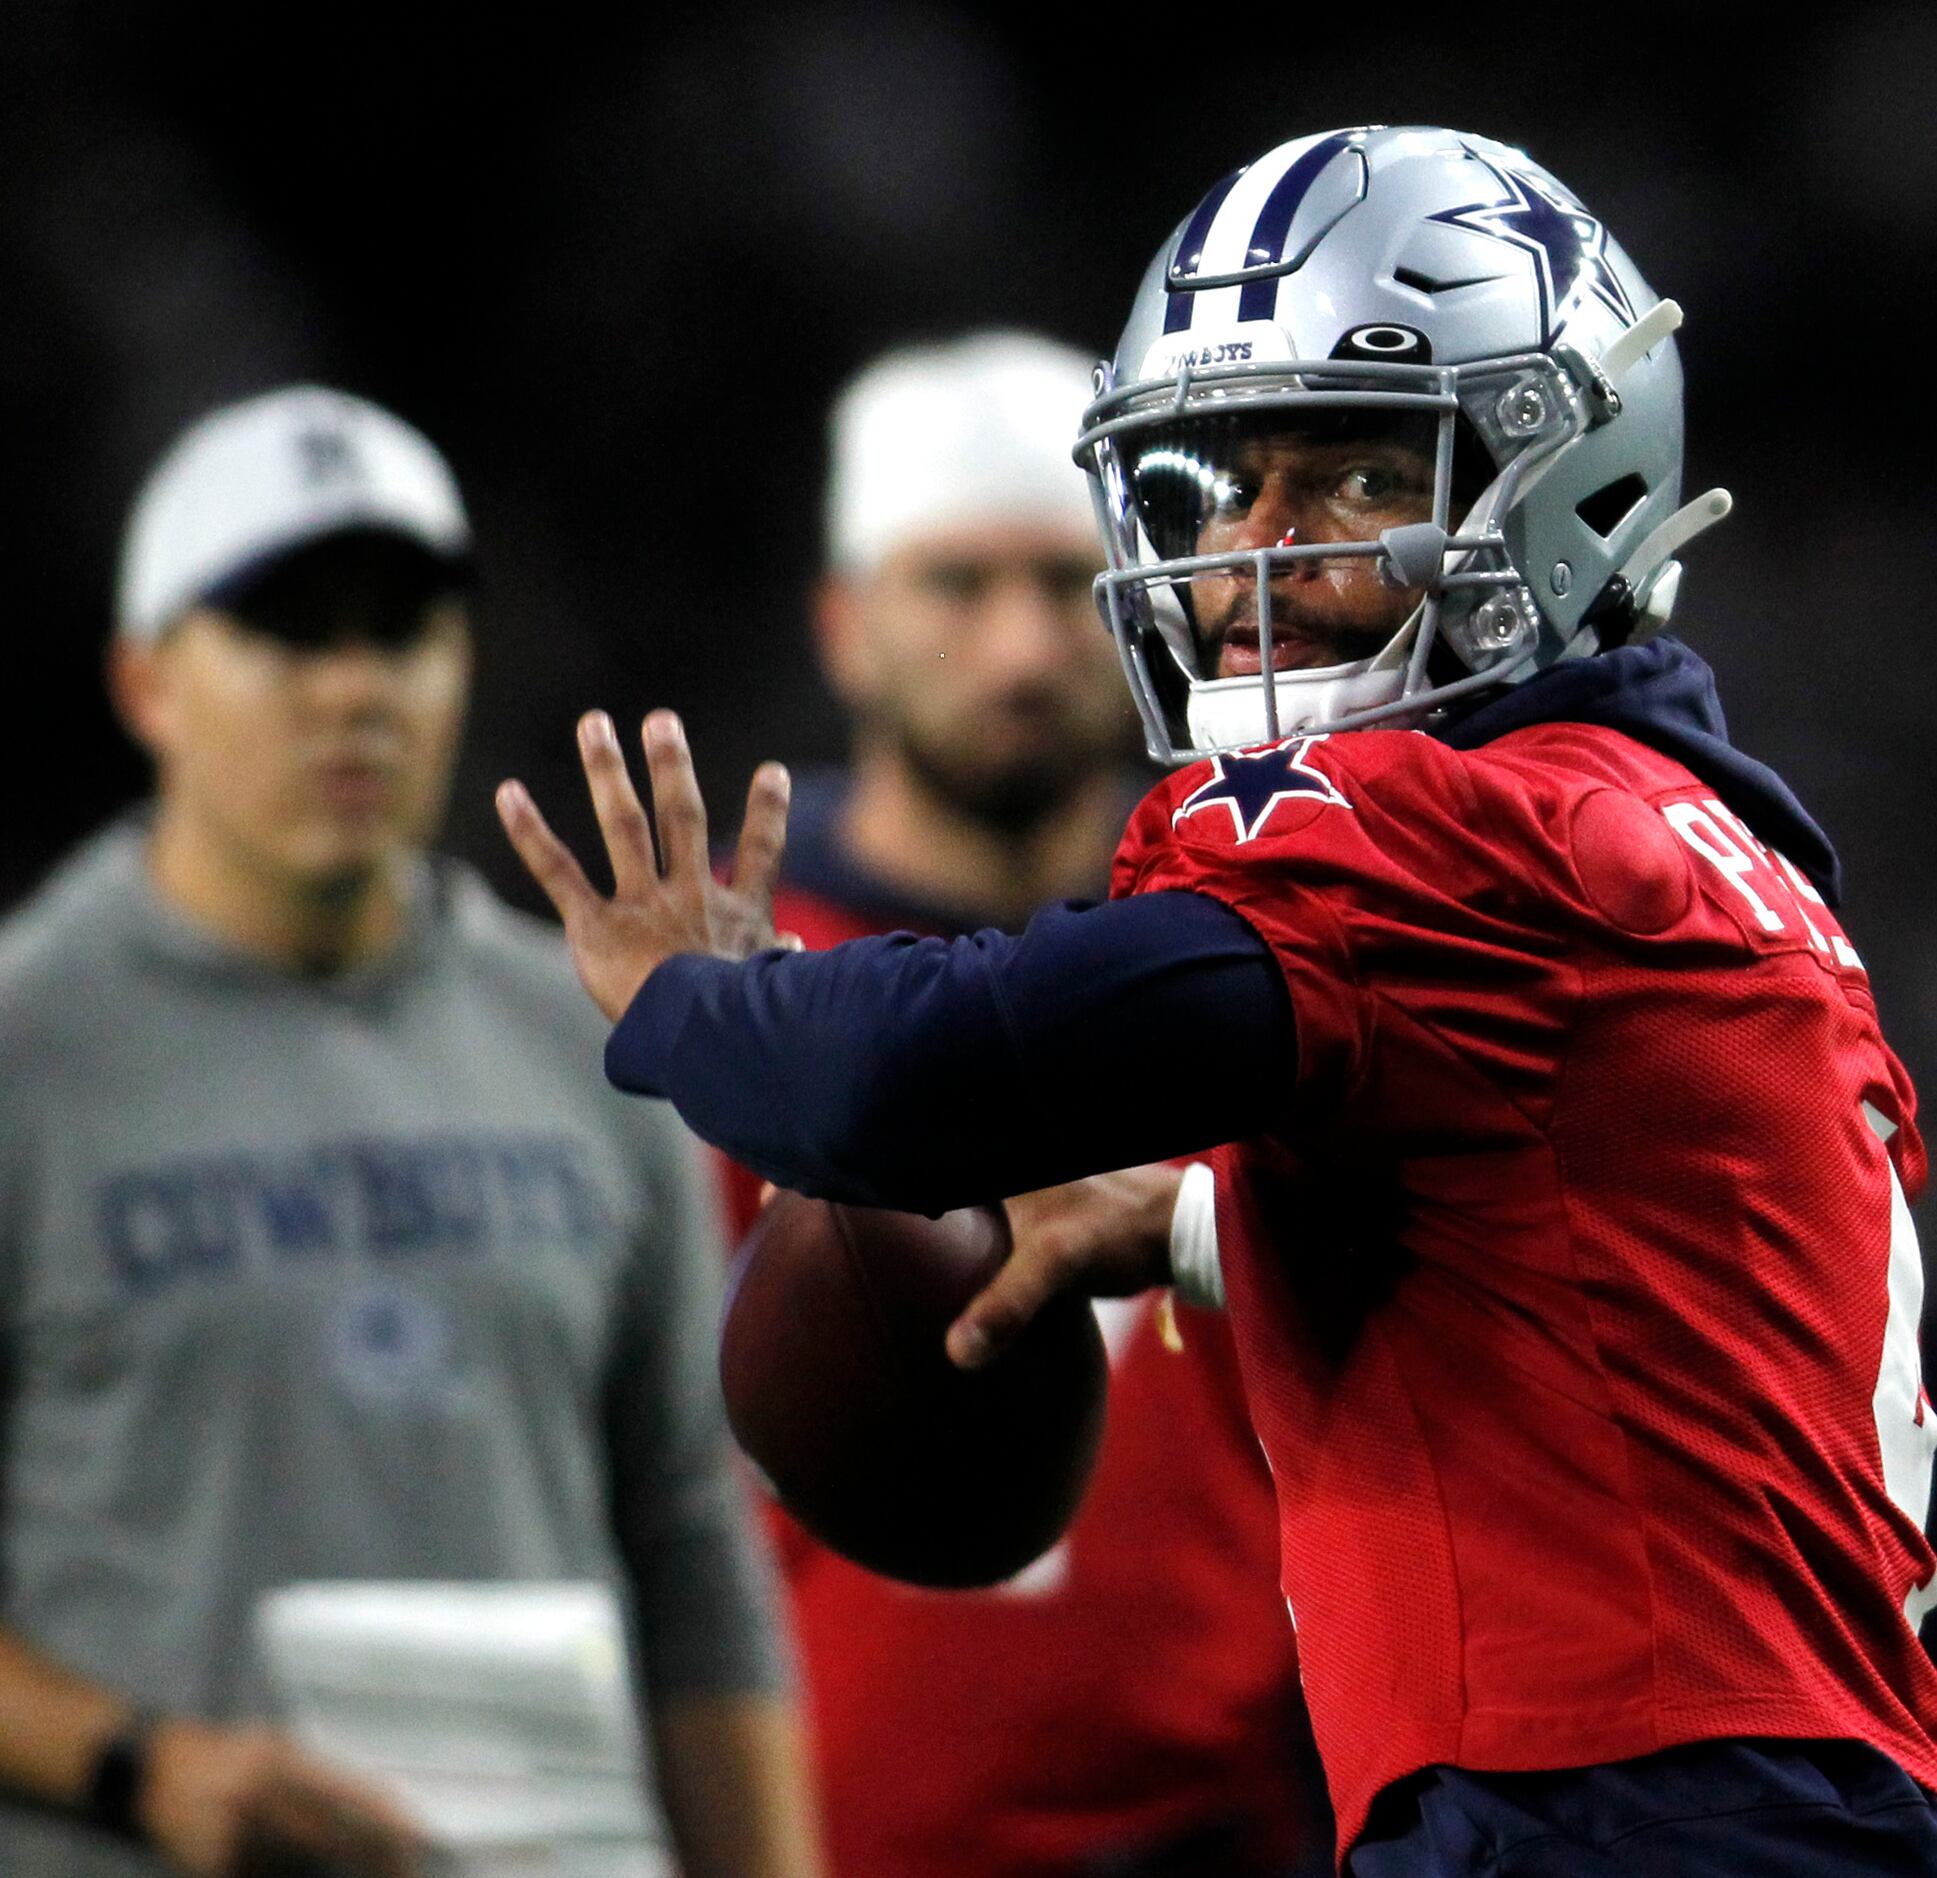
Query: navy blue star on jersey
[(1569, 246), (1251, 784)]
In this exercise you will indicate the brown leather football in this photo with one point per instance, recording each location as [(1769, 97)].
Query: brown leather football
[(840, 1391)]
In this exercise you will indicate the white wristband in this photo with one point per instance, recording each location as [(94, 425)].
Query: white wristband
[(1194, 1267)]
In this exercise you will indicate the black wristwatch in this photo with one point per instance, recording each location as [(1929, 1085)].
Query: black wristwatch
[(111, 1800)]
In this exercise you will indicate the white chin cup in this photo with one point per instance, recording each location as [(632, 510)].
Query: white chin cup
[(1228, 713)]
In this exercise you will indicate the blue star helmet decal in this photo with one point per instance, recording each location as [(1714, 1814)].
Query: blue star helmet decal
[(1251, 784), (1568, 245)]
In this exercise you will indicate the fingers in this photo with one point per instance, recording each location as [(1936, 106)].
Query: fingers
[(1000, 1310), (676, 803), (622, 821), (552, 865), (763, 835), (352, 1824)]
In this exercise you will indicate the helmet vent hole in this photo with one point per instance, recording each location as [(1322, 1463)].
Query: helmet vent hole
[(1611, 505)]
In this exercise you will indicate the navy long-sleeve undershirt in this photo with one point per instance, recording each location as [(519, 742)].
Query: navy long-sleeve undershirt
[(931, 1073)]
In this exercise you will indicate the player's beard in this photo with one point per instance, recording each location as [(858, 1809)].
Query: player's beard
[(1013, 797)]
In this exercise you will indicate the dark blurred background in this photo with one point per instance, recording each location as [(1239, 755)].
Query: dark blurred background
[(617, 264)]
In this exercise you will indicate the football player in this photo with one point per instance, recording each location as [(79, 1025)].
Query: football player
[(1559, 1166), (1131, 1702)]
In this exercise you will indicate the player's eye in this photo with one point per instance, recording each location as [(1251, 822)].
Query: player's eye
[(1368, 484), (1378, 486), (961, 583)]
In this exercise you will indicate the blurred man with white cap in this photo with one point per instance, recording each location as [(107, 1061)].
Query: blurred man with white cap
[(1130, 1704), (955, 623), (322, 1264)]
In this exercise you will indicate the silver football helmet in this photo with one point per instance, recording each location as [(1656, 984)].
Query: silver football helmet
[(1436, 336)]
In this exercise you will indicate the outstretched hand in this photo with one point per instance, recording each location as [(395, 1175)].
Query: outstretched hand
[(665, 898)]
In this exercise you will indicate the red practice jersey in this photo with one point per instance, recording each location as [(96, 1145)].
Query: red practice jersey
[(1576, 1292), (1138, 1685)]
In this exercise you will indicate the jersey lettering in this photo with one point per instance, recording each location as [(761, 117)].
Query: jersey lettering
[(1693, 822), (391, 1197), (1778, 893)]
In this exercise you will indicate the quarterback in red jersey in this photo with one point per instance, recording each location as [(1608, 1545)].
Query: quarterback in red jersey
[(1561, 1169), (1647, 1517), (1131, 1702)]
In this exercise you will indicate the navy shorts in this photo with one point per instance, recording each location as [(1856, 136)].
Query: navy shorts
[(1717, 1809)]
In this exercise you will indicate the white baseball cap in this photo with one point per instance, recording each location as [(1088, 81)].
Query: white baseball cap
[(938, 437), (244, 485)]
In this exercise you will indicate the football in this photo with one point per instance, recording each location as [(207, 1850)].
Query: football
[(840, 1391)]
